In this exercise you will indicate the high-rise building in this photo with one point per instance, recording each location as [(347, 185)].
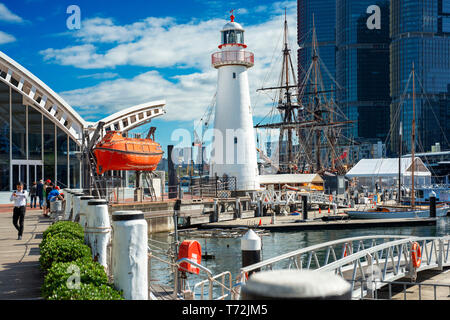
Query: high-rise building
[(369, 48), (362, 66), (420, 34), (321, 13)]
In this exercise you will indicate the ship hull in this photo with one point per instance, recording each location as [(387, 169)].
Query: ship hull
[(397, 214)]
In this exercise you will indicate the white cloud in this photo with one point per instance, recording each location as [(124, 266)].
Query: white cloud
[(162, 44), (6, 38), (7, 16)]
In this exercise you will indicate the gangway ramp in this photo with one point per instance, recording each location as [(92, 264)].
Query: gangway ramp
[(368, 263)]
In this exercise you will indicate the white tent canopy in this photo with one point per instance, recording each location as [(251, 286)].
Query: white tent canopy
[(387, 168)]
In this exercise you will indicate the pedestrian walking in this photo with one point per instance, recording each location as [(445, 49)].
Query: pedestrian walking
[(20, 202), (33, 195), (40, 193)]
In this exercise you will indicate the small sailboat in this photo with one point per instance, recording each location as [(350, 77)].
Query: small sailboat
[(115, 152), (399, 210)]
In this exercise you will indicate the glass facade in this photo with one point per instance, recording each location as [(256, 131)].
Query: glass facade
[(32, 147), (4, 137), (323, 12), (419, 35), (362, 68)]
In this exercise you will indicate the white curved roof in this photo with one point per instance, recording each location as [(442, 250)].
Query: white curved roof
[(38, 94), (232, 26), (130, 118), (41, 96)]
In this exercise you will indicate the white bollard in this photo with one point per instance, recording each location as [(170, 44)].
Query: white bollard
[(83, 213), (68, 195), (98, 230), (76, 205), (296, 285), (250, 248), (130, 250)]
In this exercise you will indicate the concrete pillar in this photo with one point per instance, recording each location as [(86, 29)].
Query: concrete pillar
[(129, 257), (295, 285), (98, 229), (250, 248), (76, 205), (83, 213), (237, 211)]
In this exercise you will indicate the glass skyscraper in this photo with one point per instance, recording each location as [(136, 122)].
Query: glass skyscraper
[(324, 14), (362, 67), (372, 65), (420, 34)]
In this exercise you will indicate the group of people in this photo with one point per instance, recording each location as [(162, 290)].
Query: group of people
[(46, 192)]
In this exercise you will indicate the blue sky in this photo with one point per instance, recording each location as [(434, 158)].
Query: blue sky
[(131, 52)]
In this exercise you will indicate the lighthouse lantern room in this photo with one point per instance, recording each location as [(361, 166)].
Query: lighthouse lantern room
[(234, 148)]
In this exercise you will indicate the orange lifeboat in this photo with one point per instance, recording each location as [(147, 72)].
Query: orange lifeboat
[(116, 152)]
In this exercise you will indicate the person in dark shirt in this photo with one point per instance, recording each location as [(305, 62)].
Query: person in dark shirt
[(40, 193), (33, 195), (48, 189)]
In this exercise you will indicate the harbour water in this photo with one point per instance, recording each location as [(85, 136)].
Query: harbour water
[(227, 252)]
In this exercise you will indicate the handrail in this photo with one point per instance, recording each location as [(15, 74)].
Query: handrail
[(314, 248)]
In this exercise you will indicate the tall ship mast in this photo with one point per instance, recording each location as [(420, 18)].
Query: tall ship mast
[(307, 115)]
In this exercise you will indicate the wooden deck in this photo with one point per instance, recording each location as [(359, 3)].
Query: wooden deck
[(20, 276)]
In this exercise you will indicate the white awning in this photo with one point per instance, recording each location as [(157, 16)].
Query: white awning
[(387, 168)]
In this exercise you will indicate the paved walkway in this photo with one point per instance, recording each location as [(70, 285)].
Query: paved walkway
[(20, 275)]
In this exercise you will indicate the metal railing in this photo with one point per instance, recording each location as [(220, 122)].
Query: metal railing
[(412, 294), (232, 57), (363, 258), (219, 287)]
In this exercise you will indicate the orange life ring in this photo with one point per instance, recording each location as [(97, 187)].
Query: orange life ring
[(416, 255)]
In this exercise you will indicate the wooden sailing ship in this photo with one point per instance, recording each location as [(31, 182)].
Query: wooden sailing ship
[(308, 115)]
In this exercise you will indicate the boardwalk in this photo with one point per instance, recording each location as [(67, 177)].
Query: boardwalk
[(20, 276)]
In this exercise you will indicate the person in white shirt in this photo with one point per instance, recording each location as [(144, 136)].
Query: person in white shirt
[(20, 203)]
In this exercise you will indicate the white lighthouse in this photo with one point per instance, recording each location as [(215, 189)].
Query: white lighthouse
[(234, 141)]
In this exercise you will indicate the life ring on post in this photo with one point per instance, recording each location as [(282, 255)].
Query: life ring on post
[(416, 255)]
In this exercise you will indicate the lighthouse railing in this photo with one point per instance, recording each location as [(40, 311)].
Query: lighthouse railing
[(233, 57)]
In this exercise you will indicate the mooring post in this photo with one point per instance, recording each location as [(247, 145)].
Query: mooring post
[(83, 213), (68, 201), (76, 206), (305, 207), (98, 230), (250, 249), (295, 285), (432, 204), (130, 249)]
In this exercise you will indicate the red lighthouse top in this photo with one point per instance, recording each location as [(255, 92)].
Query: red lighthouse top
[(232, 16)]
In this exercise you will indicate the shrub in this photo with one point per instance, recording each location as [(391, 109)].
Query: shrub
[(67, 229), (60, 272), (60, 249), (87, 291)]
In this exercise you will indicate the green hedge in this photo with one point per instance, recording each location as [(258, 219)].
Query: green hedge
[(87, 291), (60, 249), (60, 272), (67, 229), (63, 246)]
